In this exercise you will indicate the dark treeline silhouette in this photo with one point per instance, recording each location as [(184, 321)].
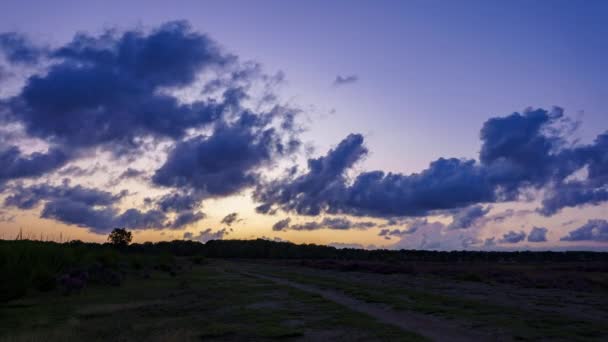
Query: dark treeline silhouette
[(286, 250), (265, 249)]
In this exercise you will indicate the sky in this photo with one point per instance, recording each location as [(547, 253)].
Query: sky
[(387, 124)]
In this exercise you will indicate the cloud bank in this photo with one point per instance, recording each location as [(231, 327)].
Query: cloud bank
[(337, 223), (122, 93), (519, 152), (593, 230)]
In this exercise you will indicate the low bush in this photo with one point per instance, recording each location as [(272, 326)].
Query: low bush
[(40, 266)]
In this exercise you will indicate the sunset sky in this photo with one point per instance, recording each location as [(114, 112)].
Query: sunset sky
[(441, 125)]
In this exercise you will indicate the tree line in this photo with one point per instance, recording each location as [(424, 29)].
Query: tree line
[(266, 249)]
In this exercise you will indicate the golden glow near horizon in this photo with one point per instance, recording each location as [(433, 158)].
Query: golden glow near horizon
[(253, 225)]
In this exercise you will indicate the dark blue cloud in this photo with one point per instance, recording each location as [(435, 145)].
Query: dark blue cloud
[(466, 217), (101, 219), (323, 184), (3, 73), (413, 228), (106, 89), (178, 202), (337, 223), (80, 214), (77, 171), (223, 163), (187, 217), (15, 165), (129, 173), (572, 194), (282, 224), (184, 205), (538, 234), (109, 91), (230, 219), (593, 230), (387, 233), (18, 49), (517, 152), (137, 219), (132, 173), (97, 209), (513, 237), (593, 189), (342, 80), (170, 55), (116, 91), (520, 151), (446, 184), (29, 197)]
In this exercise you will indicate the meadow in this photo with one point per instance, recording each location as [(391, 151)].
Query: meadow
[(262, 290)]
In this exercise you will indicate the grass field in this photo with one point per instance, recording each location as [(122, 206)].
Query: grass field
[(495, 311), (191, 298), (206, 302)]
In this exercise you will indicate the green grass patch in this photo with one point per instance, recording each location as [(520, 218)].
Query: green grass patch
[(215, 305), (524, 324)]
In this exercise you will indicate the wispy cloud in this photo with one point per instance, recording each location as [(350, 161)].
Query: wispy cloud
[(343, 80)]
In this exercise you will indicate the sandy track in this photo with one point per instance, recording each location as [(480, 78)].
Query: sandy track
[(434, 328)]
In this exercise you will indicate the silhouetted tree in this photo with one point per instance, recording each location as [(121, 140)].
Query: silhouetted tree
[(120, 237)]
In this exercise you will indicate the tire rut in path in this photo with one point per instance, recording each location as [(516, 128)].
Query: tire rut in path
[(432, 328)]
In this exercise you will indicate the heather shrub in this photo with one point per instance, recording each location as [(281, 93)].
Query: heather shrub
[(38, 266), (197, 259), (44, 281)]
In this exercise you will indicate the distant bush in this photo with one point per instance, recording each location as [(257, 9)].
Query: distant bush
[(197, 259), (35, 265), (284, 250), (471, 277), (120, 237), (44, 281)]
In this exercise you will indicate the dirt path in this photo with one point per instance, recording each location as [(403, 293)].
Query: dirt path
[(436, 329)]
